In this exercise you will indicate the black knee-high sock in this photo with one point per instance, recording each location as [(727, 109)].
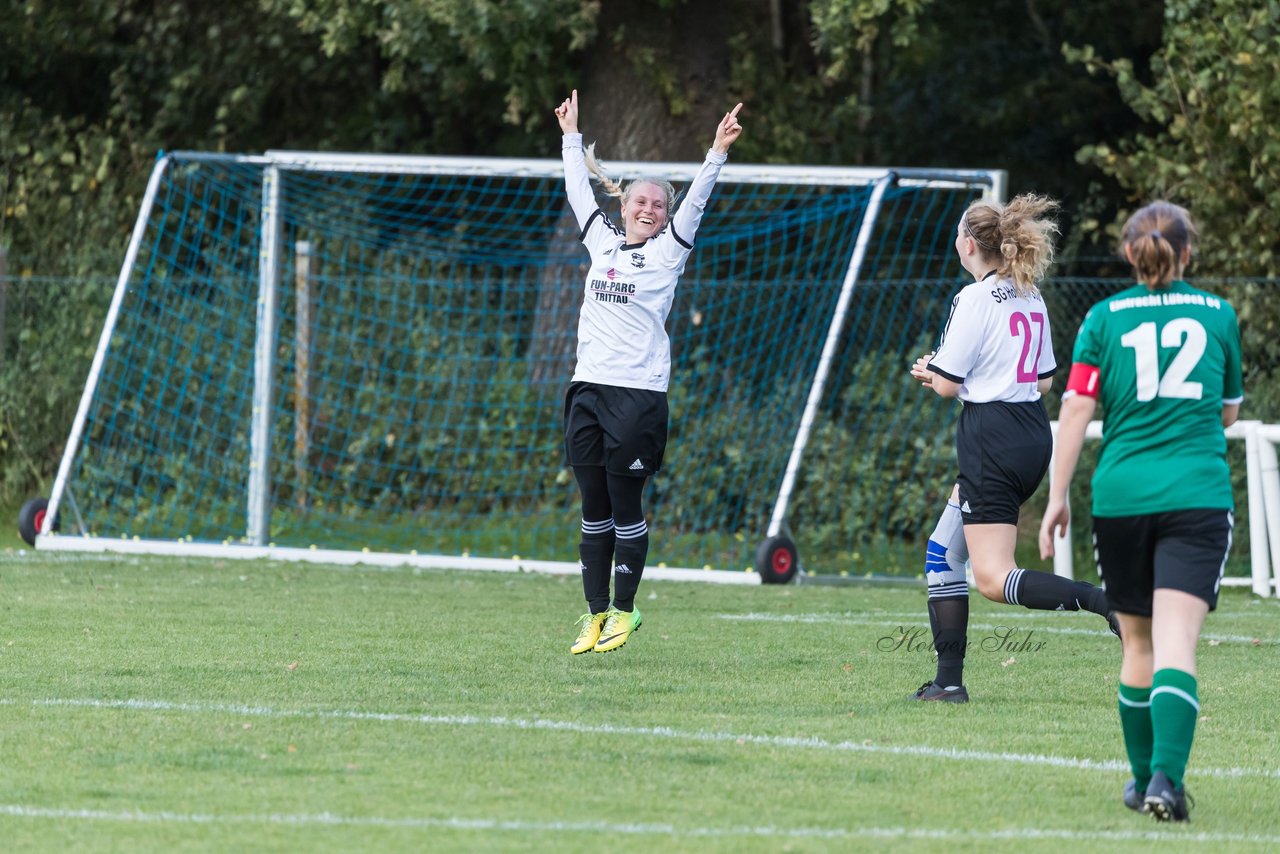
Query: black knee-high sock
[(949, 619), (596, 551), (632, 544), (629, 552), (1045, 591), (944, 571), (596, 547)]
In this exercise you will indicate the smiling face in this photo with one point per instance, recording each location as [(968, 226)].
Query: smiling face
[(644, 210)]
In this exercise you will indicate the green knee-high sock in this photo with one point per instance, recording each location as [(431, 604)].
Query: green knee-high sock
[(1135, 723), (1174, 709)]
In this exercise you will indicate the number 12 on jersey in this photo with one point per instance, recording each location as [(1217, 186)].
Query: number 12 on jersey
[(1188, 336), (1020, 326)]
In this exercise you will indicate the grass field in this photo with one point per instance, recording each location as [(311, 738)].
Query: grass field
[(159, 704)]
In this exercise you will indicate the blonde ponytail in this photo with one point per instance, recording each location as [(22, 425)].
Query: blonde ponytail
[(1019, 236), (611, 187)]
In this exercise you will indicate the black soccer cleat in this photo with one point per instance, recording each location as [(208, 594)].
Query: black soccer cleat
[(933, 692), (1164, 801), (1132, 798)]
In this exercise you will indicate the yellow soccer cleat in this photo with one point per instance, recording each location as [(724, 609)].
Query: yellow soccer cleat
[(618, 627), (591, 625)]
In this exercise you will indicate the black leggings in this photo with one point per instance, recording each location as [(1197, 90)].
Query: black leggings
[(609, 496)]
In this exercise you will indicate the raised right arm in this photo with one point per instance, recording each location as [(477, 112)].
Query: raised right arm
[(577, 182)]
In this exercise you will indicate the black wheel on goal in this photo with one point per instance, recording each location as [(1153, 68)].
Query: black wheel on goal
[(31, 518), (777, 561)]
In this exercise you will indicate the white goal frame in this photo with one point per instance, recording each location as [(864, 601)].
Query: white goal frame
[(277, 164)]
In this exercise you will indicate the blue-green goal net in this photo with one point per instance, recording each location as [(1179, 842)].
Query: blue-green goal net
[(368, 355)]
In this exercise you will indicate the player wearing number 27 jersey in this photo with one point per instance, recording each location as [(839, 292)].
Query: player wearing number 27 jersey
[(996, 344), (1161, 365), (997, 357)]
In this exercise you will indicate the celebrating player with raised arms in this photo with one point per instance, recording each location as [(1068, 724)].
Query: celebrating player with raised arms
[(615, 411), (1163, 360), (997, 357)]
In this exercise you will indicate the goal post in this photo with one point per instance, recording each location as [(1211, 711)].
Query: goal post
[(346, 357)]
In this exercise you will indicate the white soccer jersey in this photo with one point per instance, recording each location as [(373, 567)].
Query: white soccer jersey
[(996, 344), (622, 336)]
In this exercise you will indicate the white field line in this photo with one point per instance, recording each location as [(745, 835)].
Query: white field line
[(897, 621), (1020, 613), (804, 742), (327, 819), (23, 557)]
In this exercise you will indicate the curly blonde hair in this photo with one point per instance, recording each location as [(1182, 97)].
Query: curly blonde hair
[(1020, 234)]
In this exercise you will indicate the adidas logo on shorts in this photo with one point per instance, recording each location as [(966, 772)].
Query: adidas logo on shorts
[(622, 569), (964, 508), (637, 466)]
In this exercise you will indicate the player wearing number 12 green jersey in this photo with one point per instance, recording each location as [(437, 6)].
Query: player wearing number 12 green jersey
[(1165, 362)]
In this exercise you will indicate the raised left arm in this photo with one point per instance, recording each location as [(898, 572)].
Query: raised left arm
[(684, 225)]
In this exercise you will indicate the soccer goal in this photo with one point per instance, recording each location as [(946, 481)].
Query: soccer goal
[(359, 358)]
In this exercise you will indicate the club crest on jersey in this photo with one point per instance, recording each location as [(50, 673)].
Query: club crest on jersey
[(637, 260)]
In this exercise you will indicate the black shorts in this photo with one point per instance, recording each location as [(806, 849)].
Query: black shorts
[(622, 429), (1179, 550), (1003, 450)]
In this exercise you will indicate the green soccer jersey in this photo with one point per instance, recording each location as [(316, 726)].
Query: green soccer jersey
[(1168, 360)]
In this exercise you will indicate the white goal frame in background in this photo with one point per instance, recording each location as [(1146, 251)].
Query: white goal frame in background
[(1263, 479), (276, 165)]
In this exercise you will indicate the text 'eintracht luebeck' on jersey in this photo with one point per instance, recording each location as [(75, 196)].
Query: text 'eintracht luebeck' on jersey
[(1165, 299)]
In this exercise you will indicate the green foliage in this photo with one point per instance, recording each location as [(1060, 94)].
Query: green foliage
[(54, 325), (846, 29), (824, 112), (1210, 101), (64, 187), (459, 51)]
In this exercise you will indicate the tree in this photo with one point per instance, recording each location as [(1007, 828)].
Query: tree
[(1211, 99), (475, 67), (90, 92)]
